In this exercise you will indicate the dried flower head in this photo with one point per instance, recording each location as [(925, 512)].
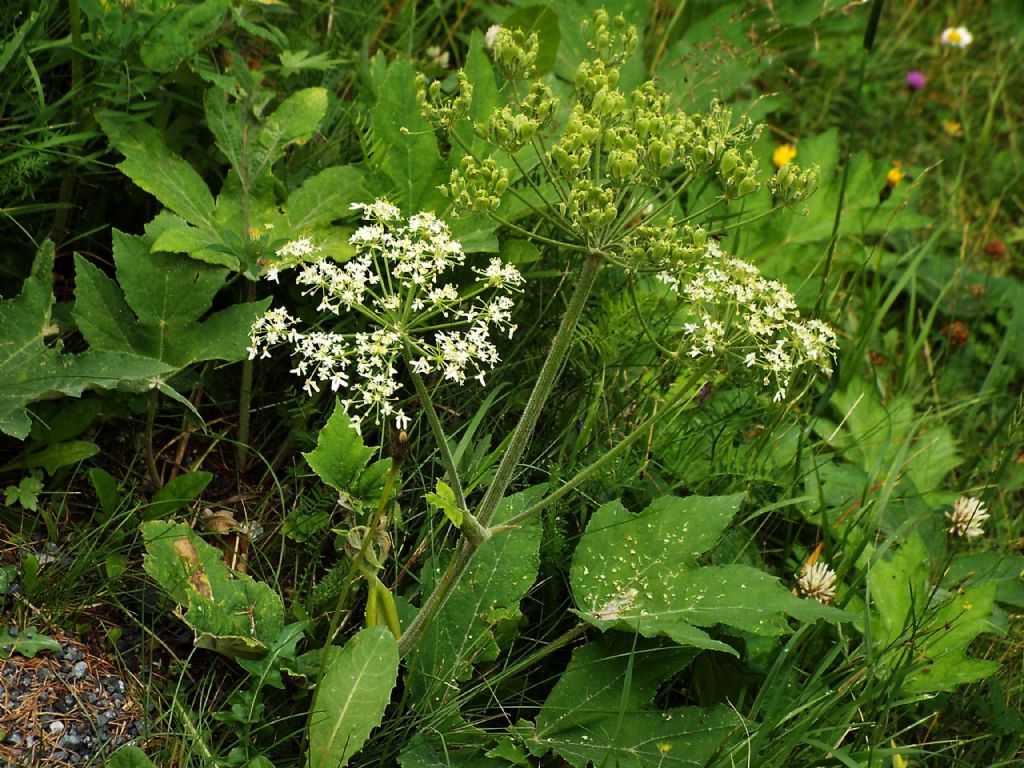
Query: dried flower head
[(397, 281), (968, 517), (818, 582)]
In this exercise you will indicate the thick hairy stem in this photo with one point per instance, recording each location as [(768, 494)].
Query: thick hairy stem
[(517, 446)]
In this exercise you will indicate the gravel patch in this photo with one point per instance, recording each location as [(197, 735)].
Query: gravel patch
[(66, 708)]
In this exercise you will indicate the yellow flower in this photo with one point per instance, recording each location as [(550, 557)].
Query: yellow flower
[(895, 174), (953, 128), (783, 154)]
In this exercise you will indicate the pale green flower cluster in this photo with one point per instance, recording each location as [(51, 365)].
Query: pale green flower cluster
[(398, 280)]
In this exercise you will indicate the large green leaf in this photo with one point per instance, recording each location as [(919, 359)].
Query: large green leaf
[(340, 459), (230, 613), (158, 310), (906, 620), (151, 165), (295, 120), (488, 594), (31, 369), (404, 147), (600, 711), (323, 198), (351, 698), (640, 572)]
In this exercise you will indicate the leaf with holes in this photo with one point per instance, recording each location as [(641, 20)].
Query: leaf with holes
[(640, 572), (230, 613)]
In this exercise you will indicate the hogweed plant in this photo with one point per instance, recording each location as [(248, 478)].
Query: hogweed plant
[(597, 184), (601, 182)]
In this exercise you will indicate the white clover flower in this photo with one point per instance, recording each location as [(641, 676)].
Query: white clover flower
[(735, 311), (956, 37), (491, 35), (397, 282), (968, 517), (818, 582)]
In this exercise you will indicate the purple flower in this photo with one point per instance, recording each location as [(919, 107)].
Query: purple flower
[(916, 80)]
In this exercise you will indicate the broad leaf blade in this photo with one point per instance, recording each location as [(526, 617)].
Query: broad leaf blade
[(151, 165), (340, 458), (601, 712), (404, 144), (639, 572), (230, 613), (351, 698)]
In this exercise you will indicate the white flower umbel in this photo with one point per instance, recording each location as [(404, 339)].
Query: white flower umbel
[(735, 312), (399, 280), (818, 582), (968, 517)]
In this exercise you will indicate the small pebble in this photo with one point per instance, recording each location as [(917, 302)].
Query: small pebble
[(79, 670), (57, 726)]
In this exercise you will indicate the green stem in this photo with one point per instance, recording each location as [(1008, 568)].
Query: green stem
[(541, 390), (245, 396), (466, 548), (151, 468)]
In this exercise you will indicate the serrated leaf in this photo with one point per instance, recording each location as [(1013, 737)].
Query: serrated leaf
[(159, 314), (340, 458), (153, 167), (294, 120), (405, 148), (938, 636), (30, 370), (444, 500), (351, 698), (639, 572), (601, 711), (230, 613), (462, 633)]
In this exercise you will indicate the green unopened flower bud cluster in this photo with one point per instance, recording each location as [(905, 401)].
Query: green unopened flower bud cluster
[(601, 175), (737, 172), (791, 183), (441, 109), (515, 53), (477, 185), (664, 247)]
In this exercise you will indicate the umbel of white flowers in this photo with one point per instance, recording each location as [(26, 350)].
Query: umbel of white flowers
[(735, 311), (398, 282)]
